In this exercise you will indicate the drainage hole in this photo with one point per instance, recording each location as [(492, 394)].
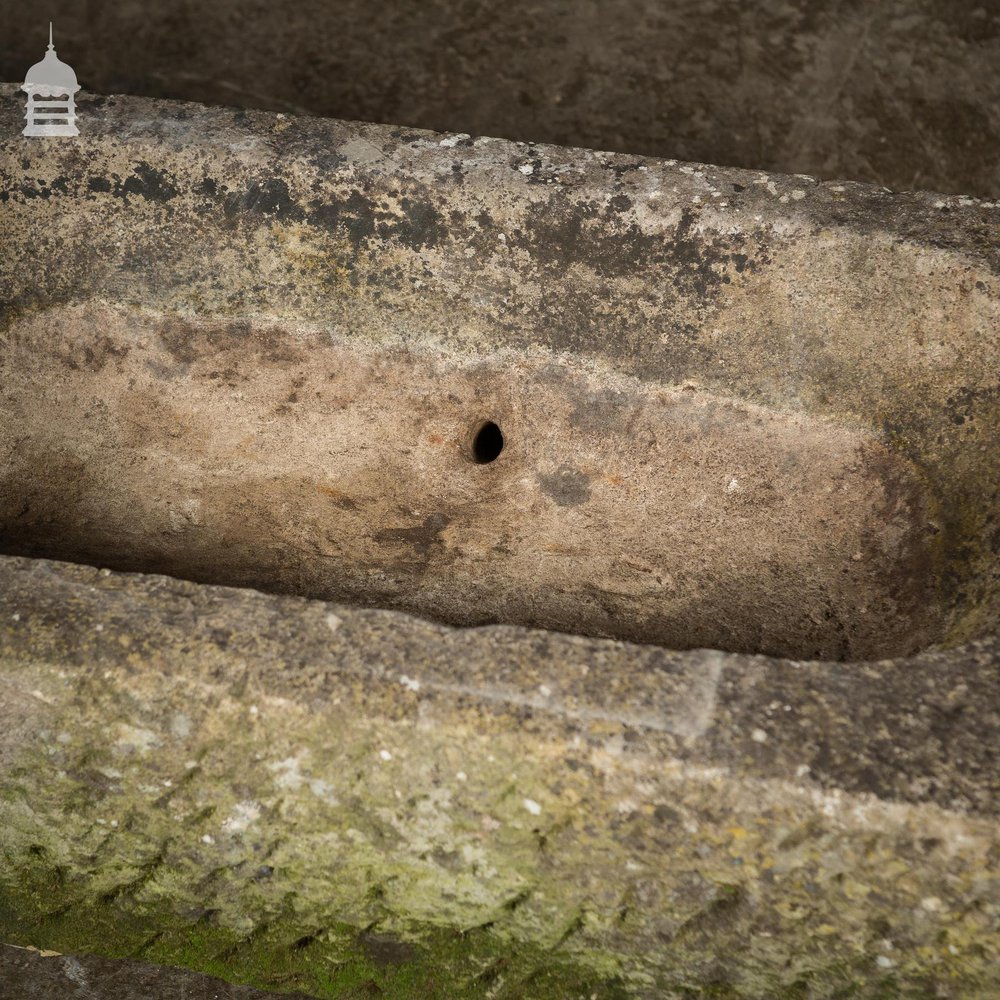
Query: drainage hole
[(487, 444)]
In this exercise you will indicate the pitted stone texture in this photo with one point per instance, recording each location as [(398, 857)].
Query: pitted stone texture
[(281, 790), (741, 410)]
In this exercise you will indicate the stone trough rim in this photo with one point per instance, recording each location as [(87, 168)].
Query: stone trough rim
[(711, 703), (12, 90)]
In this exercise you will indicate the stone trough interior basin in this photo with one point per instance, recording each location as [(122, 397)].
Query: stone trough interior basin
[(485, 381)]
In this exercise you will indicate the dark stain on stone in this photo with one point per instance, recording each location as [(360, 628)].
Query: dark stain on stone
[(187, 342), (408, 137), (177, 337), (97, 355), (339, 499), (620, 203), (327, 160), (220, 637), (420, 225), (961, 406), (421, 537), (695, 257), (568, 487), (101, 185), (557, 236), (620, 169), (663, 813), (270, 198), (354, 213), (29, 191), (150, 183), (93, 357)]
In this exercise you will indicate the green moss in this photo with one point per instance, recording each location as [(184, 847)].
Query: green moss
[(39, 909)]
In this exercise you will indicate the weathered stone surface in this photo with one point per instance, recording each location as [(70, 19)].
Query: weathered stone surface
[(743, 411), (899, 92), (294, 794)]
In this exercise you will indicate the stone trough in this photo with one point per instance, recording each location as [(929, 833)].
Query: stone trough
[(709, 457)]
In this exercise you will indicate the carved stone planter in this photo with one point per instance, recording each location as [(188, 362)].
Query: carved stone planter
[(742, 436)]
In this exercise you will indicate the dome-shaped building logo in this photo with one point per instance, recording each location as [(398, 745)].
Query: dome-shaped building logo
[(51, 78)]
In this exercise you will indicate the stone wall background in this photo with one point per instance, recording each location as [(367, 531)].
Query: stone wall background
[(904, 93)]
